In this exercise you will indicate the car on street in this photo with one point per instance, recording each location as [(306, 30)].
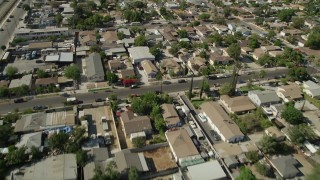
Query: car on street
[(39, 107), (65, 94), (166, 82), (182, 81), (202, 117), (39, 61), (133, 86), (99, 100), (1, 29), (18, 100)]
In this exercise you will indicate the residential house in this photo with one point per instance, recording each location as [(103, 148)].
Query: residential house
[(31, 140), (25, 80), (267, 49), (221, 122), (275, 133), (231, 162), (125, 31), (246, 50), (171, 66), (93, 68), (116, 51), (126, 73), (62, 167), (190, 30), (237, 105), (126, 159), (286, 166), (293, 32), (311, 89), (42, 121), (149, 69), (226, 150), (170, 115), (263, 98), (196, 64), (258, 53), (139, 54), (45, 82), (114, 65), (88, 40), (203, 31), (170, 34), (41, 33), (222, 29), (277, 109), (97, 160), (289, 93), (217, 59), (133, 126), (310, 23), (207, 171), (183, 149)]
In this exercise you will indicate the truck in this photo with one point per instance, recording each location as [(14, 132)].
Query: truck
[(104, 122), (185, 109), (72, 100)]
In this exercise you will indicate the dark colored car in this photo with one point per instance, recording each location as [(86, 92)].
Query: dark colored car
[(166, 82), (39, 107), (99, 100), (182, 81), (18, 100), (39, 61)]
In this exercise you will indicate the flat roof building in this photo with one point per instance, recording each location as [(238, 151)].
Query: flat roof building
[(140, 53), (210, 170)]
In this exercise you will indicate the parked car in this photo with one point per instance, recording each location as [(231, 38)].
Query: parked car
[(39, 61), (182, 81), (18, 100), (39, 107), (99, 100), (166, 82), (133, 86), (202, 117)]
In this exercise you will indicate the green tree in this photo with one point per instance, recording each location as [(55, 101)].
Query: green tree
[(160, 124), (26, 7), (298, 23), (225, 89), (82, 158), (229, 39), (154, 50), (156, 110), (259, 20), (182, 33), (262, 73), (11, 71), (133, 173), (121, 35), (227, 11), (300, 133), (4, 92), (72, 72), (16, 156), (58, 141), (95, 48), (41, 73), (204, 55), (262, 169), (246, 174), (298, 74), (286, 15), (191, 87), (292, 115), (35, 153), (111, 171), (204, 16), (234, 51), (253, 41), (112, 77), (271, 34), (314, 40), (174, 49), (58, 17), (216, 38), (315, 173), (252, 156), (140, 41), (139, 142), (269, 145), (6, 132), (3, 47)]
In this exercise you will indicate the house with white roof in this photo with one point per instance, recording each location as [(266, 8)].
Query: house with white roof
[(312, 89), (140, 53)]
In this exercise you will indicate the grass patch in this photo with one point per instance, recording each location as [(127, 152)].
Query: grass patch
[(46, 95), (313, 101), (253, 87)]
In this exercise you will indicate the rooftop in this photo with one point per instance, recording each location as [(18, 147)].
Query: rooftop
[(25, 80), (207, 171), (141, 52), (181, 143), (238, 104)]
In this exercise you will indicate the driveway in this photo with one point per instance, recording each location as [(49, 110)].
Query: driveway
[(142, 76)]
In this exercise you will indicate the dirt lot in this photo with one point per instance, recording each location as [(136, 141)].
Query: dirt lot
[(160, 159)]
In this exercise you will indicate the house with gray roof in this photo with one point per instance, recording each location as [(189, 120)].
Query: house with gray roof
[(231, 161), (207, 171), (97, 160), (93, 68), (30, 140), (62, 167), (312, 89), (126, 159), (263, 98), (25, 80), (286, 166), (140, 53)]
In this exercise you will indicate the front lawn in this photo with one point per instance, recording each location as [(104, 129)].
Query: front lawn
[(197, 102), (313, 101)]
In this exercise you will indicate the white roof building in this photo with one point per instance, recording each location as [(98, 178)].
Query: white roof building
[(140, 53), (207, 171), (312, 89)]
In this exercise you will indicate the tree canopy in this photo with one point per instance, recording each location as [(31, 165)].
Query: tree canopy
[(58, 141), (133, 173), (140, 41), (292, 115), (11, 71), (225, 89), (254, 41), (300, 133), (286, 14), (72, 72), (234, 51), (204, 16), (246, 174), (269, 145), (314, 40)]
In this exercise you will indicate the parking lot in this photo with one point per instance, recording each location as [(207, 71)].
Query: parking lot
[(27, 65)]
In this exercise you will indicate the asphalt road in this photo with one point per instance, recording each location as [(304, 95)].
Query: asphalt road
[(9, 27), (55, 101)]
